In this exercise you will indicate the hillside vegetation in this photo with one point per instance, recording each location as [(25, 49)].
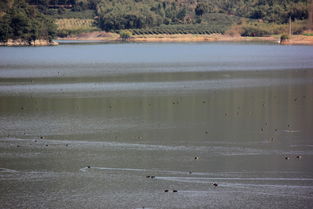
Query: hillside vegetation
[(20, 21), (114, 15), (253, 17), (124, 14)]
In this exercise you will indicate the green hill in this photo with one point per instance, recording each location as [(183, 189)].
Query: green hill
[(255, 17), (114, 15), (20, 21)]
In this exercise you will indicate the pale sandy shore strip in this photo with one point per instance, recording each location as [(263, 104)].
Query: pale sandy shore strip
[(104, 36), (111, 37)]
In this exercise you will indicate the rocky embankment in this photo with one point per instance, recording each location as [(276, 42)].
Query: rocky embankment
[(26, 43)]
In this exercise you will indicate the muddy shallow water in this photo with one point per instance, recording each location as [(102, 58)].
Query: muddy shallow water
[(115, 125)]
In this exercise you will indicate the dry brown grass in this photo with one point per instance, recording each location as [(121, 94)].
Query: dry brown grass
[(198, 38), (299, 40), (104, 36), (94, 36)]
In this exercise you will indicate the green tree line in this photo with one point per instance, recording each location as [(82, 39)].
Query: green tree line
[(130, 14), (19, 20), (125, 14)]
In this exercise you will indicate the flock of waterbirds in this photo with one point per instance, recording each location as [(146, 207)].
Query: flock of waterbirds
[(167, 190), (262, 129)]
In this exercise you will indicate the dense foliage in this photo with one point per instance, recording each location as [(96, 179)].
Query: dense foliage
[(216, 23), (145, 15), (125, 14), (21, 21)]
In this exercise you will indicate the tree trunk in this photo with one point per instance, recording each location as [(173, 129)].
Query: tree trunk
[(310, 19)]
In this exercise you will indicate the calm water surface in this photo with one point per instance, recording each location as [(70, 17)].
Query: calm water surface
[(82, 126)]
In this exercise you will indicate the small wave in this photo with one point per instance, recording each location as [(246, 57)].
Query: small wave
[(6, 170), (291, 131), (230, 181), (126, 88), (233, 179), (85, 169), (112, 169)]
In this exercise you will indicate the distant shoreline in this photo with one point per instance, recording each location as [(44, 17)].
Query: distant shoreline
[(201, 38), (112, 37)]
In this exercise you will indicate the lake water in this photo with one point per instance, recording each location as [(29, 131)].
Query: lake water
[(85, 125)]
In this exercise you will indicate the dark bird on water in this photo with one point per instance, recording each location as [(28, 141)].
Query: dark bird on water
[(166, 190), (215, 184)]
